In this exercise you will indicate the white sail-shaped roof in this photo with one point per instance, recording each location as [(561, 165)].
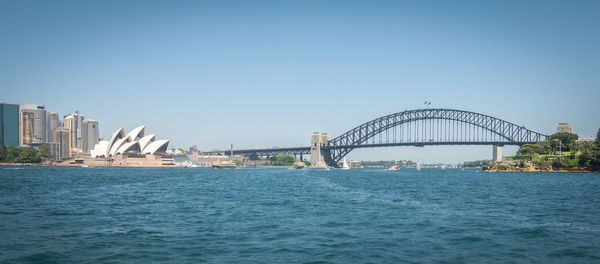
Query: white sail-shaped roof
[(119, 134), (116, 146), (131, 146), (134, 141), (100, 149), (157, 146), (145, 141), (136, 133)]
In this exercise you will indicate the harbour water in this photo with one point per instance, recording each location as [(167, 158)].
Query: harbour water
[(100, 215)]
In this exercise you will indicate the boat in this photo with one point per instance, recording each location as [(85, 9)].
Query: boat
[(393, 168), (224, 165), (345, 165), (418, 166)]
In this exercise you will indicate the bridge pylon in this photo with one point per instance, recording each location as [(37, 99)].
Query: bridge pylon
[(318, 155), (497, 155)]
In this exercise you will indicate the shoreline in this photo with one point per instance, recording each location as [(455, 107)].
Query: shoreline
[(134, 166), (3, 164), (535, 170)]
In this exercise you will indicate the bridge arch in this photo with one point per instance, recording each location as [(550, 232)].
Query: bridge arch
[(431, 127)]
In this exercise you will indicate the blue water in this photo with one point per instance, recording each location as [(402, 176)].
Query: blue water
[(100, 215)]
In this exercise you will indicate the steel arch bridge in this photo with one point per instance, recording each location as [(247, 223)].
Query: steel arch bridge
[(419, 127)]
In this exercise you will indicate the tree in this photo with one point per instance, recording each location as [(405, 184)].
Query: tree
[(2, 153), (28, 155), (12, 153), (283, 159), (526, 149), (567, 139), (45, 151), (555, 144), (253, 156)]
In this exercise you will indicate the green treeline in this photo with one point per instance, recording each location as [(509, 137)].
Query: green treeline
[(387, 163), (561, 151), (283, 159), (476, 163), (19, 155)]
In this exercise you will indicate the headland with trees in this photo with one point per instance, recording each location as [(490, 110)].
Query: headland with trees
[(560, 152)]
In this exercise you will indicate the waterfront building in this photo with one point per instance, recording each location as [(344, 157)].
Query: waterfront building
[(63, 143), (52, 124), (209, 160), (69, 122), (26, 128), (89, 134), (135, 142), (564, 128), (9, 124), (38, 121)]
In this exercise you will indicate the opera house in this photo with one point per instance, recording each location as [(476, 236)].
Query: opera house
[(134, 142), (134, 149)]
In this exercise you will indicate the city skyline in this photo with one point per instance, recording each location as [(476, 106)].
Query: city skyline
[(212, 74)]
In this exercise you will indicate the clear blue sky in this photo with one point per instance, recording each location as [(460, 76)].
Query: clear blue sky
[(269, 73)]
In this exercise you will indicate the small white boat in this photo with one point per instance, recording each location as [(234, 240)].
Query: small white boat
[(418, 166), (393, 168), (345, 165)]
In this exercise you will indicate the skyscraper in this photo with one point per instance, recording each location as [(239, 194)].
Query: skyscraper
[(52, 119), (78, 119), (27, 128), (9, 124), (63, 141), (70, 123), (39, 121), (89, 134)]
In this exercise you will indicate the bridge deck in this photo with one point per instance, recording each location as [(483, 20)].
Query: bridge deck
[(306, 150)]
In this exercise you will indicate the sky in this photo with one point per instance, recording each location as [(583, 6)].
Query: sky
[(258, 74)]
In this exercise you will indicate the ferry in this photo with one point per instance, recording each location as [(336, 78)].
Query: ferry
[(224, 165)]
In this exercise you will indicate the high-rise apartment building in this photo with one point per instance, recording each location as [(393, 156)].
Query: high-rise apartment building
[(9, 124), (52, 119), (89, 134), (39, 121), (69, 122), (63, 142)]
